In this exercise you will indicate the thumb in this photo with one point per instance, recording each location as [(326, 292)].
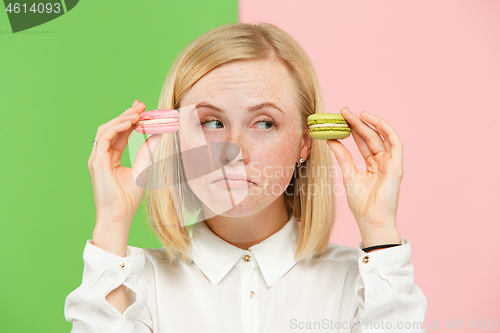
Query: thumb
[(344, 158), (144, 159)]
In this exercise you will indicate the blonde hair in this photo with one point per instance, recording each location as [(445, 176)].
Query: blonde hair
[(220, 45)]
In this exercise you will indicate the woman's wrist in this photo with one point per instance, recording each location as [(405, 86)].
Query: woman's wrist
[(112, 239), (388, 235), (378, 247)]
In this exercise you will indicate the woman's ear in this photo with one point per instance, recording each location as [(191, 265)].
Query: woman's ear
[(305, 148)]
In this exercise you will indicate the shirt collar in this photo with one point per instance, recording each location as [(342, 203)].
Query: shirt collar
[(215, 257)]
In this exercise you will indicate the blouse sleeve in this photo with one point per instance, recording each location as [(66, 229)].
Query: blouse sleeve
[(86, 306), (388, 299)]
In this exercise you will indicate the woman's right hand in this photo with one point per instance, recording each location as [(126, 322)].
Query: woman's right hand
[(116, 193)]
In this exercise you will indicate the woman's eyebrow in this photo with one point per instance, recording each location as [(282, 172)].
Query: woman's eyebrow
[(250, 109)]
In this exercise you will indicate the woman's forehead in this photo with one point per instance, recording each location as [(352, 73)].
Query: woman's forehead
[(268, 70), (250, 81)]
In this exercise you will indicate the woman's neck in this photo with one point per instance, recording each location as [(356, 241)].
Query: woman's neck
[(244, 232)]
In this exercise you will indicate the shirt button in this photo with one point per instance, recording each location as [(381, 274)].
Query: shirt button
[(366, 259), (252, 294), (247, 258), (121, 264)]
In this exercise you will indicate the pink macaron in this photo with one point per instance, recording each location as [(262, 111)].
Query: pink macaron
[(159, 121)]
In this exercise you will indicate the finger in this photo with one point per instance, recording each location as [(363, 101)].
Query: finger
[(121, 140), (369, 118), (375, 122), (362, 145), (101, 156), (120, 119), (129, 114), (394, 139), (137, 108), (344, 158), (387, 142), (133, 118), (370, 135), (144, 159)]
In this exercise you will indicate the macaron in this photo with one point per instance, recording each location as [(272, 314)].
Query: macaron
[(159, 121), (327, 126)]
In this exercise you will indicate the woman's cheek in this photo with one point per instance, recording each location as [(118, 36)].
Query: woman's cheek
[(276, 164), (285, 157)]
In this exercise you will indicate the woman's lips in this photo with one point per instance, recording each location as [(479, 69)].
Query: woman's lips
[(234, 180), (233, 183)]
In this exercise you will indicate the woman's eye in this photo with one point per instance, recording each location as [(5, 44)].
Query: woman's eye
[(268, 124), (217, 124), (213, 124)]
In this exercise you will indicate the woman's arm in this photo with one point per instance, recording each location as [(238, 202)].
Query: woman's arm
[(384, 288), (100, 303), (388, 299), (88, 306), (113, 240), (373, 194)]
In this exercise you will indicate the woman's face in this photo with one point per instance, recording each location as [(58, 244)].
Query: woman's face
[(234, 105)]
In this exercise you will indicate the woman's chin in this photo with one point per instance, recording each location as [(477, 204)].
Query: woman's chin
[(226, 202), (247, 207), (241, 210), (233, 202)]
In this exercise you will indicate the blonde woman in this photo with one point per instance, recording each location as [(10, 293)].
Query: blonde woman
[(263, 263)]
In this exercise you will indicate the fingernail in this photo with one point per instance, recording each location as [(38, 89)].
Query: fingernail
[(367, 113), (346, 108)]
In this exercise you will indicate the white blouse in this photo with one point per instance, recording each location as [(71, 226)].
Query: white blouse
[(262, 289)]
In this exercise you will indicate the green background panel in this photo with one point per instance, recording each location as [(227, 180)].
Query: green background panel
[(58, 82)]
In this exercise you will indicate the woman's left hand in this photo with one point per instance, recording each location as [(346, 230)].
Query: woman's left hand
[(372, 195)]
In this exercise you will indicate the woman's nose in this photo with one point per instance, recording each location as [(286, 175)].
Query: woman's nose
[(229, 151), (234, 147)]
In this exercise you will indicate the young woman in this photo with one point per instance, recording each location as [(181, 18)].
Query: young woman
[(262, 263)]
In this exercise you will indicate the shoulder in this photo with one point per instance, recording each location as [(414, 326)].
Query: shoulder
[(159, 268), (160, 257), (336, 253), (157, 256), (338, 264)]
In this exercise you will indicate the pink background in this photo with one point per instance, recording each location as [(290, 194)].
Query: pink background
[(432, 70)]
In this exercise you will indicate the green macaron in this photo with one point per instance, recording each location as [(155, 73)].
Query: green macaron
[(327, 126)]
